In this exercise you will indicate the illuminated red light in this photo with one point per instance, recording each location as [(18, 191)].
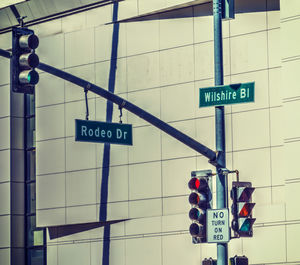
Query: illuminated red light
[(245, 211), (197, 184), (194, 183)]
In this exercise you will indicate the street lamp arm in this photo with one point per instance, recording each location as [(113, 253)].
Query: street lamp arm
[(185, 139)]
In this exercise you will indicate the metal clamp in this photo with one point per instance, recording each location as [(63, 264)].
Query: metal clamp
[(214, 161), (225, 171), (120, 108), (86, 89)]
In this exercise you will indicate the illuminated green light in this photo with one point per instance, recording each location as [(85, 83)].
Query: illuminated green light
[(30, 77), (246, 226)]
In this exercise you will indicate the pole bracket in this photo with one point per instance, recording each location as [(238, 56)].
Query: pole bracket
[(214, 161), (121, 106), (225, 171), (86, 89)]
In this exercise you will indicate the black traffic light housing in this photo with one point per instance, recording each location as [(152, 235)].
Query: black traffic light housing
[(24, 60), (209, 261), (200, 199), (241, 209), (238, 260)]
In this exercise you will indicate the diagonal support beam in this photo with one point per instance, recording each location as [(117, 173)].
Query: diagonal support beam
[(185, 139)]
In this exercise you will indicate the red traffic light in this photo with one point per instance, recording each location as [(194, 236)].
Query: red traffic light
[(245, 209), (198, 184), (200, 198)]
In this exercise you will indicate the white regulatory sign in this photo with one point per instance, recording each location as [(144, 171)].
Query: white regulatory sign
[(217, 222)]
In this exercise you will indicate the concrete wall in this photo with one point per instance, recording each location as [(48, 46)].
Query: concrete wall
[(5, 180), (290, 19), (161, 62)]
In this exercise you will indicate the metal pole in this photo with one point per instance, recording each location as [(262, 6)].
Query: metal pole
[(221, 179), (185, 139)]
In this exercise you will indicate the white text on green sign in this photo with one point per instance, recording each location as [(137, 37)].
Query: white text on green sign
[(103, 132), (227, 94)]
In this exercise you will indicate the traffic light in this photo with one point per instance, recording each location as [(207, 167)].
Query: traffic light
[(238, 260), (242, 209), (209, 261), (228, 9), (24, 60), (200, 199)]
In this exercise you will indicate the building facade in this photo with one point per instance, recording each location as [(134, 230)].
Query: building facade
[(68, 202)]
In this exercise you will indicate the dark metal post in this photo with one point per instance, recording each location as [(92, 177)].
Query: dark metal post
[(221, 179), (185, 139)]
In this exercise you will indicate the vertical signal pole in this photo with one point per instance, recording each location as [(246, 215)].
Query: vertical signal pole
[(221, 180)]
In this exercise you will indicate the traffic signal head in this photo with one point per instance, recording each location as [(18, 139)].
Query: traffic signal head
[(238, 260), (209, 261), (24, 60), (200, 200), (242, 206), (198, 184)]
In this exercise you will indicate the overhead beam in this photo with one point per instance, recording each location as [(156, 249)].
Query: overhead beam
[(185, 139)]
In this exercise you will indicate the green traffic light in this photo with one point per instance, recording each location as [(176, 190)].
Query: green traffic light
[(246, 226), (30, 77)]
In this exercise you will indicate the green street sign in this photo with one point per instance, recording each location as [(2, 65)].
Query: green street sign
[(227, 94), (103, 132)]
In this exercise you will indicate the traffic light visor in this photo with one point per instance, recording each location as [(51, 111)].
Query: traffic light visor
[(198, 184), (244, 193), (29, 60), (29, 41), (197, 230), (245, 209), (198, 199), (245, 224), (197, 215), (194, 183), (30, 77)]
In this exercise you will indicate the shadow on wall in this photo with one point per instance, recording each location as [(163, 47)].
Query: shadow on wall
[(66, 230), (109, 114), (106, 151), (241, 6)]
